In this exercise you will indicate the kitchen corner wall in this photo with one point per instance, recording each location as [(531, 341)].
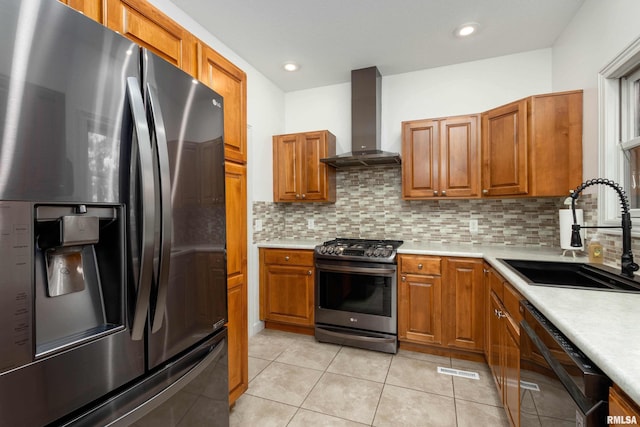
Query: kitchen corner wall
[(369, 205)]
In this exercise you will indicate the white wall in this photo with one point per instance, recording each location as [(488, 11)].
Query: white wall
[(466, 88), (599, 32)]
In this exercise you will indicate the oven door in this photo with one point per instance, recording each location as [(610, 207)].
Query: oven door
[(558, 384), (360, 295)]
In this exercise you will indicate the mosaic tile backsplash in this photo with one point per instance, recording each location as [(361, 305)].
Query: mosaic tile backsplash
[(369, 205)]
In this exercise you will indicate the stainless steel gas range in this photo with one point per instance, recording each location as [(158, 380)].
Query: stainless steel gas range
[(356, 293)]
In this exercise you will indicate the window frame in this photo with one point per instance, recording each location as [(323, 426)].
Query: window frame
[(614, 109)]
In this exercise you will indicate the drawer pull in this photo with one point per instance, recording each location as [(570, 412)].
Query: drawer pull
[(420, 266), (286, 258), (309, 273), (404, 278)]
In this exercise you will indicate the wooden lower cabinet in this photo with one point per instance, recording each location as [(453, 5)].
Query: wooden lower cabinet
[(237, 326), (502, 340), (463, 296), (287, 287), (420, 308), (622, 409), (440, 302)]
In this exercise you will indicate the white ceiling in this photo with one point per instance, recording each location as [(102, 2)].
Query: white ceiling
[(329, 38)]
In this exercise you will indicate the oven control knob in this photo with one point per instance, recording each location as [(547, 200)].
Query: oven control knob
[(369, 252), (339, 250), (322, 249), (377, 252), (387, 253), (330, 249)]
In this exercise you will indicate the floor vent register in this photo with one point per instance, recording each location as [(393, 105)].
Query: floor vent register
[(458, 373)]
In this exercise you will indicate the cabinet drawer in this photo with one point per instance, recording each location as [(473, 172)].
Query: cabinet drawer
[(288, 257), (420, 265)]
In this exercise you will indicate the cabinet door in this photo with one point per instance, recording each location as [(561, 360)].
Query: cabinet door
[(511, 371), (420, 309), (555, 130), (231, 82), (287, 163), (504, 150), (460, 157), (237, 339), (142, 23), (90, 8), (463, 293), (620, 405), (495, 340), (420, 153), (289, 294), (315, 175), (236, 209)]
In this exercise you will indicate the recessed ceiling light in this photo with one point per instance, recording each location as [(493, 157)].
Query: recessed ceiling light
[(291, 66), (465, 30)]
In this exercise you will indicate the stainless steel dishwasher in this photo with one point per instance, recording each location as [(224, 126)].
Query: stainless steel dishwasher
[(559, 385)]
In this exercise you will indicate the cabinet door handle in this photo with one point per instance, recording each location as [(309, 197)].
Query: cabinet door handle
[(444, 193), (485, 191), (404, 278), (435, 192), (309, 273), (420, 266), (297, 196), (286, 258), (304, 196)]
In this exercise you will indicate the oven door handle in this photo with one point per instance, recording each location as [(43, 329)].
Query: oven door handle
[(365, 270), (585, 405)]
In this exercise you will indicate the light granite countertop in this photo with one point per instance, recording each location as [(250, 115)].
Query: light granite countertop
[(604, 325)]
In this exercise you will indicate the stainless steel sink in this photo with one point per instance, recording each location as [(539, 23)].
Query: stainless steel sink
[(572, 275)]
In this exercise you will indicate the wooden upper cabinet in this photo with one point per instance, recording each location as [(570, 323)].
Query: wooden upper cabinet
[(533, 146), (231, 82), (504, 150), (90, 8), (555, 153), (298, 174), (420, 159), (441, 158), (142, 23)]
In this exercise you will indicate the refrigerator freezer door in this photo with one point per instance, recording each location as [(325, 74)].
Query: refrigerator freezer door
[(62, 95), (195, 293)]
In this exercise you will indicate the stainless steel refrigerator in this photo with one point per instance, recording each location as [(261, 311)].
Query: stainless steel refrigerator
[(112, 225)]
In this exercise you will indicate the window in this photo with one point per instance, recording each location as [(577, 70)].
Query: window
[(619, 139), (630, 135)]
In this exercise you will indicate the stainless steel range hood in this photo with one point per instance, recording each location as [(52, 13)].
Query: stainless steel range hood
[(366, 88)]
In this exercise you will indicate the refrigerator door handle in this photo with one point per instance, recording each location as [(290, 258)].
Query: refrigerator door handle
[(141, 130), (160, 145)]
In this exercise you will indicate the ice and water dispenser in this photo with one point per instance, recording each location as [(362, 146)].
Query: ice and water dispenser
[(79, 274)]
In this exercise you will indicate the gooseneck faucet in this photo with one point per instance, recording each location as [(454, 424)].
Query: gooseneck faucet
[(628, 266)]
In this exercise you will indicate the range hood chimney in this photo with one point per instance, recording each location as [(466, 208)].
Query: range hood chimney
[(366, 88)]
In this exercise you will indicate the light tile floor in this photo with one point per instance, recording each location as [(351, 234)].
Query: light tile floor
[(296, 381)]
